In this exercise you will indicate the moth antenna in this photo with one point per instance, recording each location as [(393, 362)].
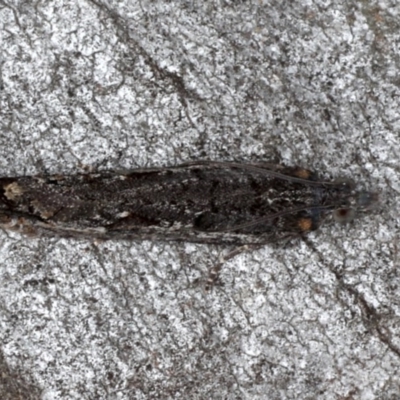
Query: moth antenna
[(271, 217), (260, 170)]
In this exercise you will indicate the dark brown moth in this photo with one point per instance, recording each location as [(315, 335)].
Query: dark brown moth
[(205, 202)]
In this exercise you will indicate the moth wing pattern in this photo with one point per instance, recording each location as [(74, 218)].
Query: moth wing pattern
[(205, 201)]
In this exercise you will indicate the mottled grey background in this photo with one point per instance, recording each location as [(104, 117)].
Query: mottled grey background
[(121, 84)]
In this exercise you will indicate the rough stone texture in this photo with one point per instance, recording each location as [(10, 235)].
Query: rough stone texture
[(121, 84), (13, 385)]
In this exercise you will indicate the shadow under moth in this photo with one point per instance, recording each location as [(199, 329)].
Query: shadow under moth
[(204, 202)]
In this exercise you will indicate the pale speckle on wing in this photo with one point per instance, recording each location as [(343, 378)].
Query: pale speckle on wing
[(12, 191), (123, 214)]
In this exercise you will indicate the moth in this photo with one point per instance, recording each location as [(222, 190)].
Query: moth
[(203, 201)]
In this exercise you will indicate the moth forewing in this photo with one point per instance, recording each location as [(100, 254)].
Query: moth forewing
[(204, 201)]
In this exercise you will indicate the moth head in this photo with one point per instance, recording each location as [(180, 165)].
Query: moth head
[(362, 201)]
